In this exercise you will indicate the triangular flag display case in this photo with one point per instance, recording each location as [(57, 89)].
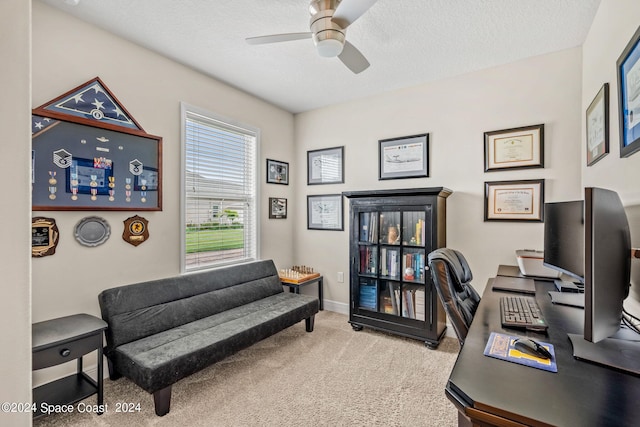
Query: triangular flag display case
[(89, 153)]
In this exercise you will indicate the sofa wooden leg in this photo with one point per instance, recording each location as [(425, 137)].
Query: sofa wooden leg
[(309, 323), (162, 401)]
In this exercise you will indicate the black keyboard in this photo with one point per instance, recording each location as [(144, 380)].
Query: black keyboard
[(521, 312)]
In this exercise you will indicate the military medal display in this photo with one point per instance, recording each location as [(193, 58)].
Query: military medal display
[(88, 153)]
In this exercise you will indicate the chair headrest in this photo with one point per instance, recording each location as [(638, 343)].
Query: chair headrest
[(457, 264)]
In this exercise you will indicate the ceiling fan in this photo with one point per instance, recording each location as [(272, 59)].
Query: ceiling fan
[(328, 25)]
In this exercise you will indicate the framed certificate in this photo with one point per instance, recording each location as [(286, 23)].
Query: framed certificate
[(405, 157), (516, 148), (325, 166), (324, 212), (629, 96), (598, 126), (514, 200)]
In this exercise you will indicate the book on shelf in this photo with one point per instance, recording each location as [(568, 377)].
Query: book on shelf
[(419, 302), (393, 262), (408, 309), (384, 267), (364, 226), (368, 260), (368, 296), (368, 227)]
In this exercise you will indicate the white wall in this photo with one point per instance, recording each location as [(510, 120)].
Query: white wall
[(455, 112), (614, 24), (15, 251), (66, 53)]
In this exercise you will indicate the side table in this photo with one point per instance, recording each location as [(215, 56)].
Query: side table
[(294, 286), (61, 340)]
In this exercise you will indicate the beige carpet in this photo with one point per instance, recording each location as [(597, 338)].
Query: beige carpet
[(333, 376)]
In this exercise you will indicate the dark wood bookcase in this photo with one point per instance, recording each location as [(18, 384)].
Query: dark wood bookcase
[(391, 233)]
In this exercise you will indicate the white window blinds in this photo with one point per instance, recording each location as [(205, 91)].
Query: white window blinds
[(219, 201)]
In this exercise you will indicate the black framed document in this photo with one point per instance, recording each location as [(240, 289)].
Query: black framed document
[(324, 212), (325, 166), (404, 157), (629, 96), (514, 200), (598, 126), (516, 148)]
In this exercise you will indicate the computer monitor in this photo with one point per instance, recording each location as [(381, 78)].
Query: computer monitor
[(564, 238), (607, 263), (607, 275)]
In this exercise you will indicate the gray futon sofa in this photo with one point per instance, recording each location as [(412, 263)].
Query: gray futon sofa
[(163, 330)]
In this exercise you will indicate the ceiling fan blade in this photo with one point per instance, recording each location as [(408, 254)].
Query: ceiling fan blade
[(353, 59), (349, 10), (276, 38)]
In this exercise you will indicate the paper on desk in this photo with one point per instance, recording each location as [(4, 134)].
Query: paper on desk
[(501, 346)]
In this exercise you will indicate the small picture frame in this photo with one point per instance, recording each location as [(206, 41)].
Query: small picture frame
[(514, 200), (628, 66), (277, 172), (515, 148), (44, 236), (277, 208), (325, 212), (598, 126), (325, 166), (404, 157)]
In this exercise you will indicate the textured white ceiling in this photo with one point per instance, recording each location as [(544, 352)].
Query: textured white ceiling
[(407, 42)]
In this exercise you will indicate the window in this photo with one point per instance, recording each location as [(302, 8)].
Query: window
[(219, 182)]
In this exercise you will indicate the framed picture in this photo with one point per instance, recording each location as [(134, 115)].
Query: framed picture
[(516, 148), (277, 208), (598, 126), (277, 172), (324, 212), (628, 66), (514, 200), (325, 166), (404, 157)]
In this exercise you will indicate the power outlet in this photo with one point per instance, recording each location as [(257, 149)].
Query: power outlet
[(340, 277)]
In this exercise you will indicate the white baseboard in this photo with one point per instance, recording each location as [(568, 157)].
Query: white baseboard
[(335, 306)]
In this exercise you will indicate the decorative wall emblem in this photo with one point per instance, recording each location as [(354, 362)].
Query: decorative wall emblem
[(136, 230)]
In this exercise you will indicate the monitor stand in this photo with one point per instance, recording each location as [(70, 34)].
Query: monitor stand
[(566, 286), (621, 352)]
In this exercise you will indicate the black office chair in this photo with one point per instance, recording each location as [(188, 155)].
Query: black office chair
[(451, 277)]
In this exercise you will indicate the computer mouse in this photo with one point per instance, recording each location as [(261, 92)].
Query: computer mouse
[(532, 348)]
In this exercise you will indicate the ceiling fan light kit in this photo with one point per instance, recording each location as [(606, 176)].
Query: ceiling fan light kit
[(328, 24), (327, 35)]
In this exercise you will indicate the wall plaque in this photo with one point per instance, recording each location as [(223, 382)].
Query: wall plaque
[(44, 236), (136, 230)]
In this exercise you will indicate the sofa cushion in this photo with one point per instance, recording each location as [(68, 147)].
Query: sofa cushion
[(144, 309), (160, 360)]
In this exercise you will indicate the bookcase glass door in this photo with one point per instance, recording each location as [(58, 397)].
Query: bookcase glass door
[(393, 245)]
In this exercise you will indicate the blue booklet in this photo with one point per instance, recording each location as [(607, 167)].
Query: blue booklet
[(501, 346)]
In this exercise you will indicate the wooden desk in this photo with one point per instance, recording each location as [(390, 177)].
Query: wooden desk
[(495, 392)]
